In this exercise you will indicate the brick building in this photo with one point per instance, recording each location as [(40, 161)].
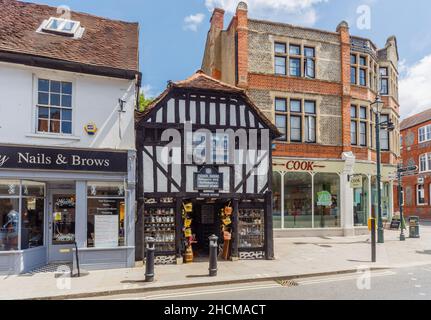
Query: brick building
[(416, 151), (317, 86)]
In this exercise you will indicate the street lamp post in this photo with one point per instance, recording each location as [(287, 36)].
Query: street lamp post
[(377, 108), (400, 202)]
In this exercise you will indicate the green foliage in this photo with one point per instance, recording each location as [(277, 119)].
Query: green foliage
[(144, 102)]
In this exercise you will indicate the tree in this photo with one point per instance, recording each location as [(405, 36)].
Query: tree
[(144, 102)]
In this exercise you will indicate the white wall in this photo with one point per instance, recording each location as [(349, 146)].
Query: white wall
[(95, 99)]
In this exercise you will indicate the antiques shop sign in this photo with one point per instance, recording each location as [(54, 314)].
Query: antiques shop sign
[(208, 178), (62, 159)]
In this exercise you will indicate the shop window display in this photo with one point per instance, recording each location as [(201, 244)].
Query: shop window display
[(159, 219), (9, 215), (251, 229), (327, 200), (106, 215), (298, 200), (360, 203), (33, 211), (276, 187), (30, 198)]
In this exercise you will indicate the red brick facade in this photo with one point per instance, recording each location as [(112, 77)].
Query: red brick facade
[(410, 153), (246, 77)]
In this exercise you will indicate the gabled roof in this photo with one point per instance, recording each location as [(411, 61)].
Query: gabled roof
[(416, 119), (105, 43), (201, 81)]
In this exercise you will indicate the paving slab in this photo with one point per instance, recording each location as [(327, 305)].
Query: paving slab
[(295, 257)]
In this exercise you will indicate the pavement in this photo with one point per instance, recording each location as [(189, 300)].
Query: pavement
[(295, 258)]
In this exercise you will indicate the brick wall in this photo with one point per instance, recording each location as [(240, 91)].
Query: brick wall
[(410, 154), (331, 88)]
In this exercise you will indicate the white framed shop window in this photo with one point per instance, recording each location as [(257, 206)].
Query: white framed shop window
[(22, 215), (420, 195), (106, 215)]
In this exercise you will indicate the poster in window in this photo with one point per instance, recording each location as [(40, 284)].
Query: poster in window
[(106, 231)]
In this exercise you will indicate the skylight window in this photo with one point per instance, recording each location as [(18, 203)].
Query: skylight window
[(62, 27)]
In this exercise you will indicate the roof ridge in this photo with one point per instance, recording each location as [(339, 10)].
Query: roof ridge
[(201, 73), (417, 114), (73, 11)]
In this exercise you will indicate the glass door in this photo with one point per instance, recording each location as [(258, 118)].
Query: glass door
[(62, 227)]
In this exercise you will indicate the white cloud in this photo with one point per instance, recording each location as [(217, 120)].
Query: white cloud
[(291, 11), (415, 93), (192, 22), (147, 90)]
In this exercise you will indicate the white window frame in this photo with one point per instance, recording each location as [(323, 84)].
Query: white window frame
[(34, 133), (424, 134), (423, 195), (36, 104), (426, 157), (45, 27)]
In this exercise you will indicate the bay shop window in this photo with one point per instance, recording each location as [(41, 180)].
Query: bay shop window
[(305, 200), (22, 210)]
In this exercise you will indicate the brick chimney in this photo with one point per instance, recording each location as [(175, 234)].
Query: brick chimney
[(217, 19), (242, 32)]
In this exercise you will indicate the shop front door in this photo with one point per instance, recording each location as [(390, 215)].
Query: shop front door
[(61, 226)]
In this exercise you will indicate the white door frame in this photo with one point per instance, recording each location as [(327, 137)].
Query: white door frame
[(49, 221)]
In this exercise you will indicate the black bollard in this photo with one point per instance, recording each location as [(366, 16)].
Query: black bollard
[(149, 263), (373, 240), (213, 255)]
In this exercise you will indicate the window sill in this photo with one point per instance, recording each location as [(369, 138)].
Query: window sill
[(55, 137)]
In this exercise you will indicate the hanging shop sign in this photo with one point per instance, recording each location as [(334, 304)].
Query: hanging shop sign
[(62, 159), (356, 182), (208, 179)]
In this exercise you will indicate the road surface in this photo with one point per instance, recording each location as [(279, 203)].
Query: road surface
[(409, 283)]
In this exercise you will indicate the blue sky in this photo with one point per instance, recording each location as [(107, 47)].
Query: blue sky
[(173, 33)]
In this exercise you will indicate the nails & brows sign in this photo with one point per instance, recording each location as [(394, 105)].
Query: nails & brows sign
[(62, 159)]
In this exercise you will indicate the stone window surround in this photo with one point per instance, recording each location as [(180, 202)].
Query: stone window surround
[(371, 73), (392, 79), (303, 98), (298, 42), (370, 123)]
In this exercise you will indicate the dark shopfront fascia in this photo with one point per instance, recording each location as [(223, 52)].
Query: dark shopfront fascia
[(178, 212), (51, 198)]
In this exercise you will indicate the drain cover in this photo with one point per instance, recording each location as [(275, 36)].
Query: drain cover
[(287, 283)]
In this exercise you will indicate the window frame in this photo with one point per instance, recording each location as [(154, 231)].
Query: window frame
[(426, 134), (108, 197), (280, 55), (304, 62), (302, 114), (385, 133), (384, 78), (49, 106), (360, 123), (45, 27), (418, 197)]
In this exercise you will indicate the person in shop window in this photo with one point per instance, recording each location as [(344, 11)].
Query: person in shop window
[(11, 227)]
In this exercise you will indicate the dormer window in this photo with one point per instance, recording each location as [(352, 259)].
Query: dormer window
[(62, 27)]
